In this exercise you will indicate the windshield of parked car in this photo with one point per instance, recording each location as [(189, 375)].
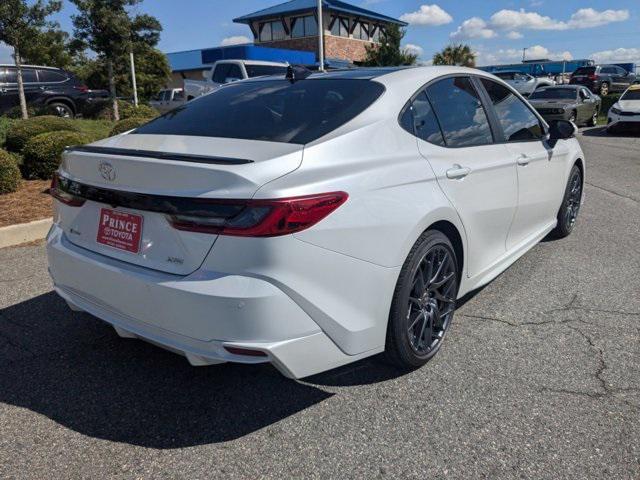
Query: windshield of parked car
[(505, 75), (555, 93), (270, 110), (631, 94)]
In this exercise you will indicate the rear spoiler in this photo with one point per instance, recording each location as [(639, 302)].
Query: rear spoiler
[(178, 157)]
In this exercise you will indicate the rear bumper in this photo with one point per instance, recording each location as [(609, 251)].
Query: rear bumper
[(197, 315)]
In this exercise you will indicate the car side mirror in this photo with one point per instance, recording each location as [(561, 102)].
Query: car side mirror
[(561, 129)]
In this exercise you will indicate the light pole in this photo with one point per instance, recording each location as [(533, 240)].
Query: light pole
[(524, 50), (320, 37)]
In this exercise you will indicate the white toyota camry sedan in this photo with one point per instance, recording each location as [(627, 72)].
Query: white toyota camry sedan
[(314, 220)]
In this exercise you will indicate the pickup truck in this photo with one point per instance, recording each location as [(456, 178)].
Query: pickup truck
[(227, 71), (168, 99)]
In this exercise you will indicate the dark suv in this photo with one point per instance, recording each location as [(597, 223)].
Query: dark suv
[(57, 89), (603, 79)]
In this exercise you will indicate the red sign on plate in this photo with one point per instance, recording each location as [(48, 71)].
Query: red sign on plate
[(120, 230)]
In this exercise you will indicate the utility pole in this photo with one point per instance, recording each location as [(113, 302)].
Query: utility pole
[(524, 50), (320, 37), (133, 80)]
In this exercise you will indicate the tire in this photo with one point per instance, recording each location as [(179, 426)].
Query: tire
[(61, 109), (604, 89), (594, 119), (568, 213), (420, 317)]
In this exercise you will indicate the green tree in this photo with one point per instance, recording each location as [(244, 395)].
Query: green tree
[(152, 72), (108, 28), (52, 47), (459, 54), (21, 26), (388, 53)]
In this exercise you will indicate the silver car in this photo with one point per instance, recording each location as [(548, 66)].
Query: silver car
[(524, 83)]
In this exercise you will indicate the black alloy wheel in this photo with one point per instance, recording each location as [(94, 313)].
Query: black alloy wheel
[(424, 301), (568, 213)]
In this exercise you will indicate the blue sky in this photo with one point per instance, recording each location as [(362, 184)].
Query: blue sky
[(497, 30)]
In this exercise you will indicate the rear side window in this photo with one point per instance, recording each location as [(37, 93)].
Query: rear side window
[(234, 73), (270, 110), (585, 71), (51, 76), (262, 70), (458, 108), (517, 121), (426, 124)]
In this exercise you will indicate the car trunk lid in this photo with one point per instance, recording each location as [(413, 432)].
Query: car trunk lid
[(157, 170)]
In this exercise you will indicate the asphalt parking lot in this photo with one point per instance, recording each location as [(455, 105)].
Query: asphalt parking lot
[(539, 378)]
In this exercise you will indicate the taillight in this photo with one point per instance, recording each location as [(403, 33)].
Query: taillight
[(593, 76), (263, 218), (82, 88), (62, 189)]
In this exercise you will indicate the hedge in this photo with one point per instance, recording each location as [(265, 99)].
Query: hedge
[(42, 154), (104, 111), (127, 124), (21, 131), (9, 173)]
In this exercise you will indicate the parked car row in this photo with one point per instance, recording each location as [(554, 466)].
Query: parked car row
[(603, 79)]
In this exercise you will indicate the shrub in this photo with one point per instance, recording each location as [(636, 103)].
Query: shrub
[(21, 131), (127, 124), (104, 111), (42, 154), (9, 173), (5, 123), (32, 111)]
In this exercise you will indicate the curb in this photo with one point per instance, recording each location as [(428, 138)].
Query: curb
[(24, 232)]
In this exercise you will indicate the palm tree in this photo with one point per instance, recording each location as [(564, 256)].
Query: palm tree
[(460, 54)]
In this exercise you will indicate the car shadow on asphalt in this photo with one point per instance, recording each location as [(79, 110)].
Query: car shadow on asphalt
[(73, 369), (602, 132)]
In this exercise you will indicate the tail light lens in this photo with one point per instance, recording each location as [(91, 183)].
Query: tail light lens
[(62, 189), (82, 88), (264, 218), (593, 76)]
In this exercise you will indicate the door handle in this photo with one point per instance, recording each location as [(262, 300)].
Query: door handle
[(458, 172), (523, 160)]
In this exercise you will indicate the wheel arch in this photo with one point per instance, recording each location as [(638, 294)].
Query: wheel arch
[(66, 100), (455, 237)]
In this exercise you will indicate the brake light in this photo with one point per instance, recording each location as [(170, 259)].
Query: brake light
[(592, 76), (263, 218), (64, 194), (82, 88)]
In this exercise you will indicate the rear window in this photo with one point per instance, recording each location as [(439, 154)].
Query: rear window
[(555, 93), (270, 110), (585, 71), (262, 70)]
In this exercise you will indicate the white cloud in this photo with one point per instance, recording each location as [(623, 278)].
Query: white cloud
[(617, 55), (514, 35), (474, 27), (413, 49), (5, 53), (582, 18), (235, 40), (589, 18), (513, 55), (517, 20), (430, 15)]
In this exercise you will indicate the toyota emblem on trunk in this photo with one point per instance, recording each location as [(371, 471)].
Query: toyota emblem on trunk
[(107, 171)]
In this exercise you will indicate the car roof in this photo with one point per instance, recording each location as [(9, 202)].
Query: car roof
[(5, 65)]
